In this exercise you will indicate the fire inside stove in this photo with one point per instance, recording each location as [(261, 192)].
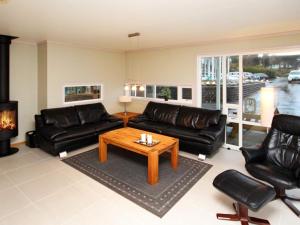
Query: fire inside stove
[(7, 120)]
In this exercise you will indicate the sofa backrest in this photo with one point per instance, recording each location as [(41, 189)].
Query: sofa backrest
[(282, 142), (60, 117), (161, 112), (90, 113), (150, 110), (197, 118), (73, 116)]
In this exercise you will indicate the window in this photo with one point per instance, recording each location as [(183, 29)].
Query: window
[(132, 90), (150, 91), (172, 90), (175, 93), (186, 93), (232, 69), (140, 91), (279, 71), (82, 93), (136, 90), (211, 79)]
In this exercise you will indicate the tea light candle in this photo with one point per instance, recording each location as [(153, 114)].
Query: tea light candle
[(143, 137), (149, 139)]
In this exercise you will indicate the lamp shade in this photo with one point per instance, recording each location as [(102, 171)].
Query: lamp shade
[(267, 106), (124, 99)]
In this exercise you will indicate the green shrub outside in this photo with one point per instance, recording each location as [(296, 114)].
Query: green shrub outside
[(272, 73)]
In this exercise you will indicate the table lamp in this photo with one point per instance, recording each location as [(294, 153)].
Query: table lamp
[(125, 99)]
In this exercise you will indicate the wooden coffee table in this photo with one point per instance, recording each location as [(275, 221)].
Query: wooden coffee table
[(125, 137)]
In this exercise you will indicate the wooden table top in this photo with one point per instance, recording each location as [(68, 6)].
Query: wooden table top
[(125, 137), (128, 114)]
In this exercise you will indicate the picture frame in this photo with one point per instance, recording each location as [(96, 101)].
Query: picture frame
[(82, 93)]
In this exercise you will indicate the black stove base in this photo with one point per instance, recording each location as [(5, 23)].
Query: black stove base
[(9, 152), (6, 150)]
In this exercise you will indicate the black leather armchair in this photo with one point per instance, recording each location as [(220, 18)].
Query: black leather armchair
[(277, 160)]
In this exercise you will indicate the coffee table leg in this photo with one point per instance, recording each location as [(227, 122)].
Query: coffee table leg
[(174, 155), (152, 167), (102, 150)]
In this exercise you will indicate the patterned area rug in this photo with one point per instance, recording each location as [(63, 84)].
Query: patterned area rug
[(126, 173)]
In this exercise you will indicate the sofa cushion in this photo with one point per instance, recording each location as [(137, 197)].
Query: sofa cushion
[(51, 132), (87, 129), (61, 117), (278, 176), (166, 113), (74, 132), (187, 134), (90, 113), (197, 118)]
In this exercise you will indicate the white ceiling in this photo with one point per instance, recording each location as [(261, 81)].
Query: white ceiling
[(106, 23)]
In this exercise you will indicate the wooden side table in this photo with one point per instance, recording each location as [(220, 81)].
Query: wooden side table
[(126, 117)]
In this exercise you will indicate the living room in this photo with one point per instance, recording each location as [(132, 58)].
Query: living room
[(137, 49)]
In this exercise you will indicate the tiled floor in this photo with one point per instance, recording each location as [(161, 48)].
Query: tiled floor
[(38, 189)]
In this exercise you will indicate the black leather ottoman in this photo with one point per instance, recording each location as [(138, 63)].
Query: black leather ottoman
[(248, 194)]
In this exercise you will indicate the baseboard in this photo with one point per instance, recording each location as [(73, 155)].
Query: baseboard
[(17, 144)]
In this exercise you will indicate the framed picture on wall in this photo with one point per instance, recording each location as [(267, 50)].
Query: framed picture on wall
[(82, 93)]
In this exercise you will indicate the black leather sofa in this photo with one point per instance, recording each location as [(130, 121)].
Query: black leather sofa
[(199, 130), (69, 128)]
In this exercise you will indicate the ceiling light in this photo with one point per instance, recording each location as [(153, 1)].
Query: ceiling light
[(142, 88), (133, 88)]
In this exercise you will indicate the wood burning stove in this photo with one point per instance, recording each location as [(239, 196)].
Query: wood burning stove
[(8, 120), (8, 109)]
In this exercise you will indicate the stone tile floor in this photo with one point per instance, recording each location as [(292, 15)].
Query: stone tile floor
[(38, 189)]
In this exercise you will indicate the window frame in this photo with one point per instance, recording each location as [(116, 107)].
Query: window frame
[(80, 102), (155, 99)]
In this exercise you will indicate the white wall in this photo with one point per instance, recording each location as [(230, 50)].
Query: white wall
[(67, 65), (42, 76), (38, 74), (23, 84), (178, 66)]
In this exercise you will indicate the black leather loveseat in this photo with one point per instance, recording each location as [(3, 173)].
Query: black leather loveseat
[(199, 130), (68, 128)]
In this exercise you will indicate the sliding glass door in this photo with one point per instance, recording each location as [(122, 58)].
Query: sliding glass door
[(211, 82), (248, 89)]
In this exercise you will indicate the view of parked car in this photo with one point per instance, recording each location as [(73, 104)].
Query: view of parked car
[(261, 76), (233, 76), (294, 75)]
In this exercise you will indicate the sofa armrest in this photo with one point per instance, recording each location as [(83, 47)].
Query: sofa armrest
[(297, 175), (216, 131), (210, 134), (253, 154), (139, 118), (51, 132), (39, 122)]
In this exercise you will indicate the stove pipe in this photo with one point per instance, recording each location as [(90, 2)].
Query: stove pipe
[(4, 67)]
